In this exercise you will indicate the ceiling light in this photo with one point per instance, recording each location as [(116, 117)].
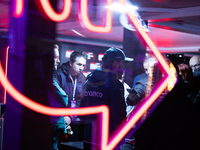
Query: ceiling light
[(77, 33), (126, 23), (120, 8)]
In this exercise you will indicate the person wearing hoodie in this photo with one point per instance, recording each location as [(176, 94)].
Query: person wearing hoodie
[(71, 79), (58, 99), (103, 88)]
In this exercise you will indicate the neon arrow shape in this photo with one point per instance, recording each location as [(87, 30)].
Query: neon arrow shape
[(103, 110)]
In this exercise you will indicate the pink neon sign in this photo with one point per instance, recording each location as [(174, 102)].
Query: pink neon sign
[(19, 8), (106, 144), (46, 9)]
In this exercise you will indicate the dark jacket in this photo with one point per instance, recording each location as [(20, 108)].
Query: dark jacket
[(173, 125), (103, 88), (57, 99), (66, 83)]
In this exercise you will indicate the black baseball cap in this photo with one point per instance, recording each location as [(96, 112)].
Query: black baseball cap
[(113, 54)]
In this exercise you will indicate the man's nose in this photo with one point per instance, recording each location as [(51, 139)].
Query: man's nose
[(81, 67), (58, 60)]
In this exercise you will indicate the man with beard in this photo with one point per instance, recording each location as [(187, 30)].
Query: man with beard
[(103, 88)]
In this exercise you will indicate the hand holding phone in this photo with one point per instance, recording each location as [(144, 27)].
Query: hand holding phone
[(133, 97), (132, 91)]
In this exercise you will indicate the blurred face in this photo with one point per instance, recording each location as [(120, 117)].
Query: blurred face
[(56, 58), (148, 67), (119, 67), (194, 63), (77, 67)]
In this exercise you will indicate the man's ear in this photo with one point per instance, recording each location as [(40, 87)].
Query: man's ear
[(115, 64), (70, 63)]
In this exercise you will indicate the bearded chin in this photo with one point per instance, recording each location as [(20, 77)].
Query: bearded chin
[(119, 73)]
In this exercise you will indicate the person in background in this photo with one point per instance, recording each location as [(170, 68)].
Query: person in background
[(186, 72), (103, 88), (195, 94), (173, 125), (58, 98), (71, 79), (142, 83), (142, 87), (129, 108), (194, 62)]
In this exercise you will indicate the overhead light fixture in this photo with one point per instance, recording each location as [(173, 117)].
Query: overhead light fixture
[(126, 23), (120, 8), (77, 33), (124, 20)]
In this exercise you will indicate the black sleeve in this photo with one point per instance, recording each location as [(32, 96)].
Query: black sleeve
[(118, 106)]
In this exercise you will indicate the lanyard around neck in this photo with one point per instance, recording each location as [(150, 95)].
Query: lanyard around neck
[(74, 84)]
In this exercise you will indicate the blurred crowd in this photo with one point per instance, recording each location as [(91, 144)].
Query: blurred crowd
[(174, 124)]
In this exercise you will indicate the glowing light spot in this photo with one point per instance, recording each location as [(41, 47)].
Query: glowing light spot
[(19, 8), (125, 128), (121, 8)]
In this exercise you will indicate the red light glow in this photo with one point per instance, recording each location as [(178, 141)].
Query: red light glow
[(103, 110), (123, 130), (19, 8), (68, 53)]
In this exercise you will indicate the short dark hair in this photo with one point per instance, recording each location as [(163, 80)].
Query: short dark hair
[(77, 53), (113, 54)]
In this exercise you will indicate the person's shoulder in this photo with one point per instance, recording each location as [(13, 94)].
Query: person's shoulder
[(82, 76), (140, 76), (142, 81), (65, 65), (59, 70), (63, 68), (117, 84), (143, 75)]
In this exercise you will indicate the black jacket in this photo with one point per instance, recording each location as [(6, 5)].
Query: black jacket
[(103, 88), (66, 84)]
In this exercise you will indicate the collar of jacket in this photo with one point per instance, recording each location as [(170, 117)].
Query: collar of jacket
[(65, 68)]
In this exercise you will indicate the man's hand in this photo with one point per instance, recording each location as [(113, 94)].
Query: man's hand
[(133, 99), (67, 120), (69, 129)]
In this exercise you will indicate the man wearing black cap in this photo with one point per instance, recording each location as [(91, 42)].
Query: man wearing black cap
[(103, 88)]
